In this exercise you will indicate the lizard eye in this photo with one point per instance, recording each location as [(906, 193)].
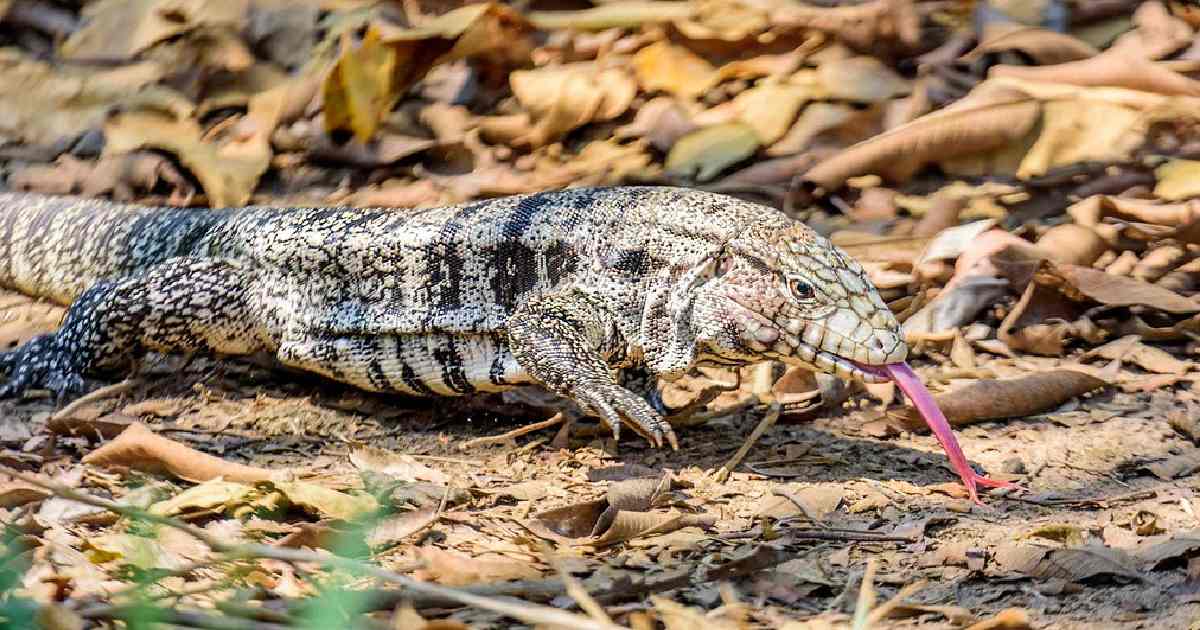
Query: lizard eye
[(800, 289)]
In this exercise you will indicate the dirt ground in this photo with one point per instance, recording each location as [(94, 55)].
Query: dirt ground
[(1097, 472)]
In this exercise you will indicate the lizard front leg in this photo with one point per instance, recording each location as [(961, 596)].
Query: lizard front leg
[(182, 304), (560, 340)]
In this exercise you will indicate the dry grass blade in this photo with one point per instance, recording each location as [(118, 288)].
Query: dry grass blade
[(866, 599), (970, 127)]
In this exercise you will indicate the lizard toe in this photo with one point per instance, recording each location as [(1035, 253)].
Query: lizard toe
[(640, 416)]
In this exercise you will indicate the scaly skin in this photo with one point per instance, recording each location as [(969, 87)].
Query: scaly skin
[(560, 288)]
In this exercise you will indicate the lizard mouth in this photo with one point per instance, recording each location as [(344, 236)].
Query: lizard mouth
[(835, 364)]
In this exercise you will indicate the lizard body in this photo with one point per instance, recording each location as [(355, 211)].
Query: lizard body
[(557, 288)]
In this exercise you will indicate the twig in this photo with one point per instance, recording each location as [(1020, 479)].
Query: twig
[(504, 437), (184, 618), (881, 613), (108, 391), (575, 589), (529, 613), (766, 423)]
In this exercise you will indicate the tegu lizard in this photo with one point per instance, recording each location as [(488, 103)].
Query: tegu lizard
[(556, 288)]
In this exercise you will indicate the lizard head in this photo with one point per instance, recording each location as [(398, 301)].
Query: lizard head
[(781, 291)]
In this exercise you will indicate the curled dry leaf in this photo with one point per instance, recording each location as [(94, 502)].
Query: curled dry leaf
[(970, 126), (630, 525), (139, 448), (991, 399), (1044, 47), (1074, 564), (123, 177), (1072, 243)]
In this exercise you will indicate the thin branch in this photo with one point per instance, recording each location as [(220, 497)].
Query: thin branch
[(515, 433)]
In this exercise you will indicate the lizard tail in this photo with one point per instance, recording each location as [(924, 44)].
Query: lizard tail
[(57, 247)]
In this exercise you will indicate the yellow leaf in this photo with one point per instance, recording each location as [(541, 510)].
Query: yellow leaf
[(669, 68), (1178, 179)]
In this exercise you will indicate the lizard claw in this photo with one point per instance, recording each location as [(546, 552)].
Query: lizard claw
[(611, 403), (40, 364)]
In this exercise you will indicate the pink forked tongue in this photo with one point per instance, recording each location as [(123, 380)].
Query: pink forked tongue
[(912, 387)]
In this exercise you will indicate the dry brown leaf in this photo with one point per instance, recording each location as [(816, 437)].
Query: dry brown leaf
[(1110, 69), (1084, 282), (1072, 243), (861, 25), (1044, 47), (213, 495), (395, 465), (563, 98), (673, 69), (704, 153), (991, 399), (619, 14), (17, 493), (1177, 549), (1158, 33), (144, 23), (326, 502), (1083, 130), (770, 109), (1129, 348), (661, 121), (970, 126), (1073, 564), (123, 177), (456, 569), (228, 168), (139, 448), (369, 78), (860, 79), (629, 525), (1177, 179), (1007, 619), (22, 318), (1093, 210), (723, 20), (815, 120), (42, 103)]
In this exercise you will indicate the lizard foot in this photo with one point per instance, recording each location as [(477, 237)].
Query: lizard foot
[(40, 364), (612, 402)]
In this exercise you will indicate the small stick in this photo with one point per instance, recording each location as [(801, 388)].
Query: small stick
[(108, 391), (515, 433), (767, 422)]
